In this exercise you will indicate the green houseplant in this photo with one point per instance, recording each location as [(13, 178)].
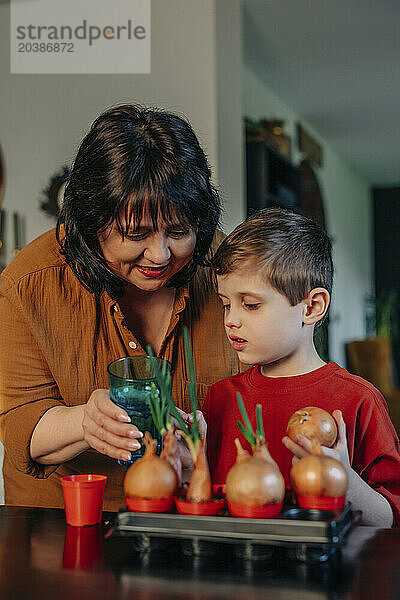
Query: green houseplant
[(382, 318)]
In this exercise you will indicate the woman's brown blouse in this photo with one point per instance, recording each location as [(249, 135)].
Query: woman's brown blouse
[(49, 357)]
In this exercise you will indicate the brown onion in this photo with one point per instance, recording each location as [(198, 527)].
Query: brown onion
[(260, 450), (319, 475), (170, 452), (253, 481), (200, 488), (151, 476), (314, 423)]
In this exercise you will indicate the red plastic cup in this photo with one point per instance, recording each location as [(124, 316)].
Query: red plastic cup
[(83, 547), (83, 498)]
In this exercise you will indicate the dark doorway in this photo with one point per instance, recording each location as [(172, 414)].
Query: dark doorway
[(387, 247)]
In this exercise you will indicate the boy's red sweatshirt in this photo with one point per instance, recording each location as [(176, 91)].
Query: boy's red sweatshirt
[(372, 440)]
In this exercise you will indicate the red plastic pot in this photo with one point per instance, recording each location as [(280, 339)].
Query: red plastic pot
[(212, 507), (218, 489), (321, 502), (150, 504), (83, 498), (266, 511)]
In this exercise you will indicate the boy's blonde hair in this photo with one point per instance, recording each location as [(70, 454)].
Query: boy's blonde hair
[(293, 253)]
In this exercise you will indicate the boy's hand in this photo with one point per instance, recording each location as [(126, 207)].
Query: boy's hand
[(302, 446), (375, 509)]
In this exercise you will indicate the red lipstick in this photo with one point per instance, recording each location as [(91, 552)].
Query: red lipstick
[(152, 271)]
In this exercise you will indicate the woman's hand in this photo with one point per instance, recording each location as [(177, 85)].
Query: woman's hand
[(302, 446), (107, 427), (186, 457), (188, 419)]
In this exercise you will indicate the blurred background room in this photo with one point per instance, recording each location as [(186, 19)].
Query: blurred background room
[(297, 105)]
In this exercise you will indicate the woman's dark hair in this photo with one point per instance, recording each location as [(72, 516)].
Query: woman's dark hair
[(133, 156)]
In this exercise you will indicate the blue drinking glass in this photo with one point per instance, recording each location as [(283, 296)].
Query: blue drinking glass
[(130, 380)]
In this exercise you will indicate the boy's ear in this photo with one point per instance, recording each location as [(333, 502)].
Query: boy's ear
[(315, 305)]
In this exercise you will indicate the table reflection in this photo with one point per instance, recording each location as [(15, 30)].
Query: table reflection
[(83, 547), (40, 557)]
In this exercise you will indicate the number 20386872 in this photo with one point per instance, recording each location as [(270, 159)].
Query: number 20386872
[(46, 47)]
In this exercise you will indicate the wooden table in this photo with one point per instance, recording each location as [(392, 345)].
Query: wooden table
[(42, 558)]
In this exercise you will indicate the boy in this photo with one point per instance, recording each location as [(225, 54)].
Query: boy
[(274, 276)]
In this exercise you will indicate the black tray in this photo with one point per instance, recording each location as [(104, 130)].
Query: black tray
[(306, 533)]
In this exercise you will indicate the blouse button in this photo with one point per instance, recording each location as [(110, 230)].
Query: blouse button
[(133, 345)]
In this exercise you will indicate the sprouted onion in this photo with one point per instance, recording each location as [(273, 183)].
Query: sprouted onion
[(151, 476), (254, 480), (160, 412), (200, 489)]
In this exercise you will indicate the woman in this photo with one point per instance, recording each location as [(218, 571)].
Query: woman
[(124, 268)]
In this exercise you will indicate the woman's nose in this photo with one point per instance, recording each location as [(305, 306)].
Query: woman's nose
[(157, 249)]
